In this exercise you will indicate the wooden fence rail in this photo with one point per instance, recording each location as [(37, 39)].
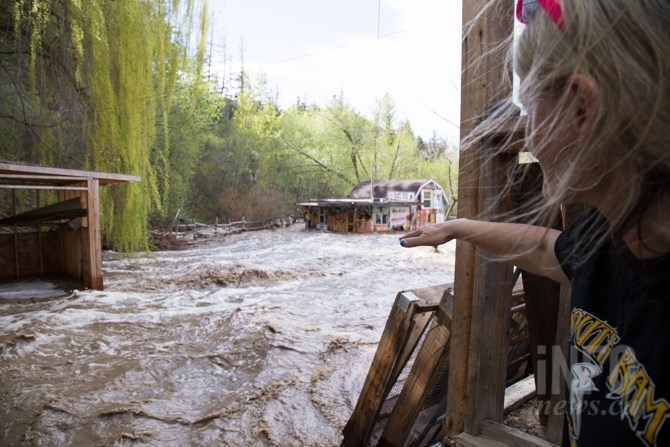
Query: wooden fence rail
[(186, 227)]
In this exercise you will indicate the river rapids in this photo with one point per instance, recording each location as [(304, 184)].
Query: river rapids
[(255, 339)]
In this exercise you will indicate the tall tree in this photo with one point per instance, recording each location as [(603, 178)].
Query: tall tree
[(90, 83)]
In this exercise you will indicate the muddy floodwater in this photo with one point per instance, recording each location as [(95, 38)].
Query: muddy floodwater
[(256, 339)]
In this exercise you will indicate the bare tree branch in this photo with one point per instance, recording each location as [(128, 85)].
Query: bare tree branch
[(318, 162)]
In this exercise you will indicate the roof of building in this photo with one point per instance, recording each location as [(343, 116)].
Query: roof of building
[(360, 195), (382, 187)]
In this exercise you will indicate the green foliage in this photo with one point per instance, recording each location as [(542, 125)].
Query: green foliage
[(93, 83), (242, 164), (263, 160), (194, 113), (116, 85)]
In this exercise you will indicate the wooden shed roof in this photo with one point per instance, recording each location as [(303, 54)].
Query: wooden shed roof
[(16, 173)]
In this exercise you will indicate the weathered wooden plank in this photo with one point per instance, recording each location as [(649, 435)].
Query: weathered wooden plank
[(71, 241), (490, 312), (386, 364), (415, 330), (60, 210), (482, 72), (45, 187), (92, 238), (512, 437), (103, 177), (519, 393), (430, 297), (468, 440), (6, 178), (433, 352)]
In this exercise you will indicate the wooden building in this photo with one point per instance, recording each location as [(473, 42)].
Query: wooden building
[(60, 233), (379, 206)]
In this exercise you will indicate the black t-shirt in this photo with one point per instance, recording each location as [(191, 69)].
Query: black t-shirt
[(619, 350)]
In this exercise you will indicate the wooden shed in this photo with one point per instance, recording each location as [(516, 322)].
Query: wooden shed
[(55, 229), (380, 205)]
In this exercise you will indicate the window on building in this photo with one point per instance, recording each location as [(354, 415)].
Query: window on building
[(382, 217), (426, 199)]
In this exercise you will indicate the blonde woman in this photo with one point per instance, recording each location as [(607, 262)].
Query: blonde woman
[(595, 81)]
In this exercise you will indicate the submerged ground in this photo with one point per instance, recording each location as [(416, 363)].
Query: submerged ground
[(256, 339)]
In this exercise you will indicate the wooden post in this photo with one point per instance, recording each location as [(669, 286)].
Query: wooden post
[(490, 311), (483, 71), (92, 239)]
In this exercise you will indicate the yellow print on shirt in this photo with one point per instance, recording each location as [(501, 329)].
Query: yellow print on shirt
[(628, 383), (592, 336)]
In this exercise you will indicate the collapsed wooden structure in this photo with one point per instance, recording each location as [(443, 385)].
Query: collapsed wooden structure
[(57, 238), (457, 347)]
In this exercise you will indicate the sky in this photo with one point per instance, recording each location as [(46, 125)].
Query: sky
[(362, 49)]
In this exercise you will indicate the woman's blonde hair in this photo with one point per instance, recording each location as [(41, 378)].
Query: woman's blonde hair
[(624, 47)]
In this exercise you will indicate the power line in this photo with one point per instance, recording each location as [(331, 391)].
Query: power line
[(359, 42)]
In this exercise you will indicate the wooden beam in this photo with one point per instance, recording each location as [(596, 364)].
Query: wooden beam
[(512, 437), (37, 178), (467, 440), (49, 187), (432, 354), (92, 239), (519, 393), (67, 209), (387, 363), (483, 70), (495, 434), (490, 311), (104, 178)]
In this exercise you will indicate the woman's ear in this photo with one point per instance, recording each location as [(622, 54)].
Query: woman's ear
[(584, 101)]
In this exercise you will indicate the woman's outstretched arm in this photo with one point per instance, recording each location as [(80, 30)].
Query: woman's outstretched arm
[(527, 246)]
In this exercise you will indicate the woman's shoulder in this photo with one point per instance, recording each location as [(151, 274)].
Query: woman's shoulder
[(581, 240)]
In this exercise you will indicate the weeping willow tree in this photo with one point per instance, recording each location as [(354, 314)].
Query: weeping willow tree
[(92, 82)]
